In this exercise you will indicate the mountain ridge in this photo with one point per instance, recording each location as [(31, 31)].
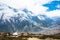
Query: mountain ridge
[(14, 20)]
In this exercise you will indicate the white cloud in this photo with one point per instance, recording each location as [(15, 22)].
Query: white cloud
[(33, 5), (23, 3), (54, 13), (18, 3), (38, 9)]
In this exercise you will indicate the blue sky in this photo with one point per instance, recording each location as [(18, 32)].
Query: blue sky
[(54, 5)]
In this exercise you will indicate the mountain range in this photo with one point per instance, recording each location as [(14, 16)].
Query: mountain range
[(15, 20)]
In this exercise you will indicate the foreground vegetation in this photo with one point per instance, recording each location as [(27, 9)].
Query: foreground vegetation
[(28, 36)]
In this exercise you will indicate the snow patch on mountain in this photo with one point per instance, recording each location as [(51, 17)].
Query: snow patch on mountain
[(25, 20)]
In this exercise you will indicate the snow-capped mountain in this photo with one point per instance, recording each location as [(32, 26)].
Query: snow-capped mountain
[(12, 20), (16, 20)]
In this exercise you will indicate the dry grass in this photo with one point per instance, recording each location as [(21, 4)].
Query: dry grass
[(29, 37)]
